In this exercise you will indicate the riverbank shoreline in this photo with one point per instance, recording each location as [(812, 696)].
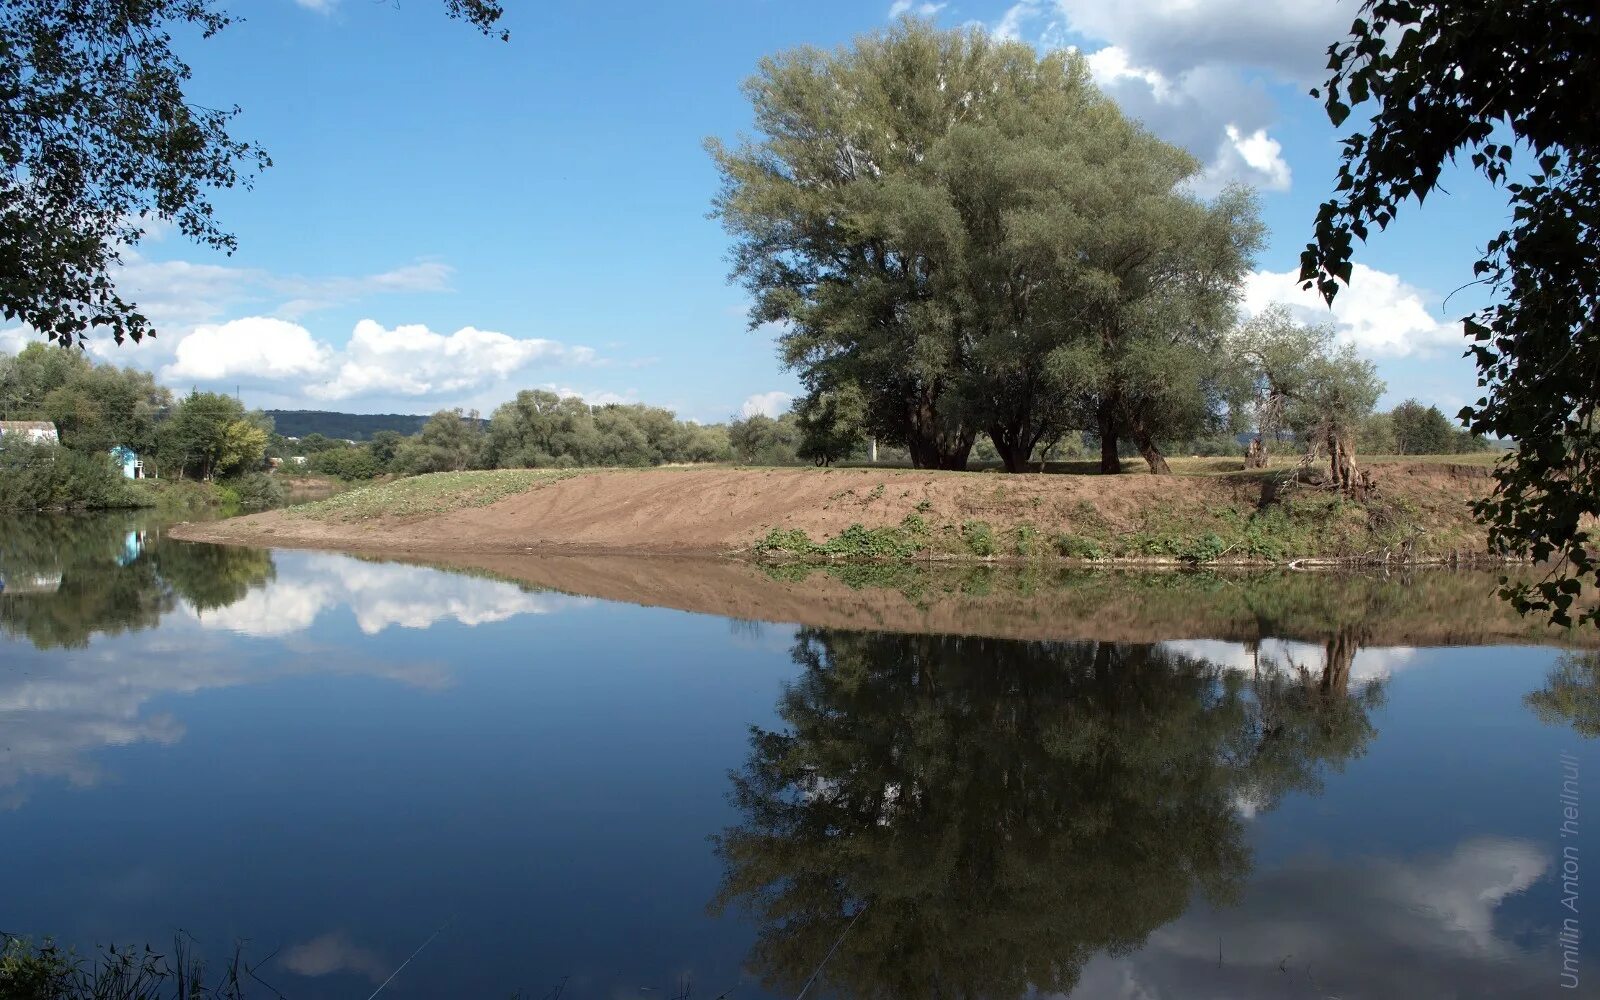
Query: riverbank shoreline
[(1417, 514)]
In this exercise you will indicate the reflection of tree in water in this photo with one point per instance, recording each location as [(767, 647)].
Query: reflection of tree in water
[(91, 575), (1006, 810), (1571, 694)]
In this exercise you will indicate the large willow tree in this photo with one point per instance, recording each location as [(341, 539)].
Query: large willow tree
[(979, 241)]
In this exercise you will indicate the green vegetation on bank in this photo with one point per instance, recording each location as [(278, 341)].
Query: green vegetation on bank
[(202, 437), (434, 493), (1290, 524)]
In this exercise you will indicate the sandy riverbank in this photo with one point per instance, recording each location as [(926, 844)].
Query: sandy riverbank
[(1419, 513)]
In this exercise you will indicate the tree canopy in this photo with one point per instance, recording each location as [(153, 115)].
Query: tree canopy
[(975, 239), (99, 140), (1506, 86)]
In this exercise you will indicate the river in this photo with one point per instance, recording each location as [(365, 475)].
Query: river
[(990, 785)]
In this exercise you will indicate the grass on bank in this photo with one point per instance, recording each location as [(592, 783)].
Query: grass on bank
[(1310, 524), (435, 493)]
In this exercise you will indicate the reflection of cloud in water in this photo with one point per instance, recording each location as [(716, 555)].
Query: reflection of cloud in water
[(1372, 663), (380, 595), (334, 952), (58, 707), (1381, 928)]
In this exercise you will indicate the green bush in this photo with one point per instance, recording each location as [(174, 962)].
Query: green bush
[(346, 463), (979, 537), (44, 477), (1076, 546), (256, 490)]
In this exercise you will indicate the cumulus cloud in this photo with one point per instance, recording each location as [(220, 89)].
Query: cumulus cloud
[(1194, 71), (1256, 155), (406, 361), (13, 340), (1379, 313), (900, 7), (415, 361), (768, 404), (257, 346)]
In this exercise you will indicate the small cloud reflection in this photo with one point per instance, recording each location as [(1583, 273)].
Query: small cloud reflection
[(333, 953)]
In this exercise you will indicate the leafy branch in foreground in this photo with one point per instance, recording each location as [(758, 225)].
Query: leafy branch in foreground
[(99, 140), (1455, 77)]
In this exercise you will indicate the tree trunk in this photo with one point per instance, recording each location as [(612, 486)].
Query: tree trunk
[(1151, 454), (1341, 654), (1110, 462), (1341, 463), (1255, 456), (1002, 445)]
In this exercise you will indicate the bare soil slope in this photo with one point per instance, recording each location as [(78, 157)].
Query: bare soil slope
[(722, 510)]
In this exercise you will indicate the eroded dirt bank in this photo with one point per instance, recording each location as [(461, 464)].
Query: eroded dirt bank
[(1420, 511)]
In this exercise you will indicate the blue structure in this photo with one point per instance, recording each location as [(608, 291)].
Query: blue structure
[(128, 459)]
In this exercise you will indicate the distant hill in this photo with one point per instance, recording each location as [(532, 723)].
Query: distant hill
[(348, 426)]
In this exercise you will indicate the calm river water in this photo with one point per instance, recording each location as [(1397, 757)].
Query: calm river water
[(338, 760)]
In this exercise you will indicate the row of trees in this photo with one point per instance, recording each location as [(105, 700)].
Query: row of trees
[(97, 407)]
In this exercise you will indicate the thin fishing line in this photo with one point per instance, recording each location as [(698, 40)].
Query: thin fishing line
[(414, 954), (836, 942)]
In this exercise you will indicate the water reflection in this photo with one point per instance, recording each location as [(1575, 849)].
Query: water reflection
[(69, 582), (67, 579), (1007, 811), (1571, 694)]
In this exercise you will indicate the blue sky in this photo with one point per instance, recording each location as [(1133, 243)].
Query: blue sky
[(450, 218)]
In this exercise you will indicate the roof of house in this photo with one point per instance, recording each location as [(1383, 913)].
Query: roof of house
[(27, 425)]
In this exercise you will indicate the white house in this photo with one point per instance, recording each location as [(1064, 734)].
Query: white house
[(30, 431)]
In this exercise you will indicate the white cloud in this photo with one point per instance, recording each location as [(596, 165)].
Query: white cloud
[(900, 7), (770, 404), (1256, 157), (12, 341), (405, 361), (320, 6), (1379, 313), (257, 346), (1194, 71), (415, 361)]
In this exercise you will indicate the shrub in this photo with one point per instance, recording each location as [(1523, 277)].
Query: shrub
[(979, 537), (346, 463), (256, 490), (44, 477), (1076, 546)]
